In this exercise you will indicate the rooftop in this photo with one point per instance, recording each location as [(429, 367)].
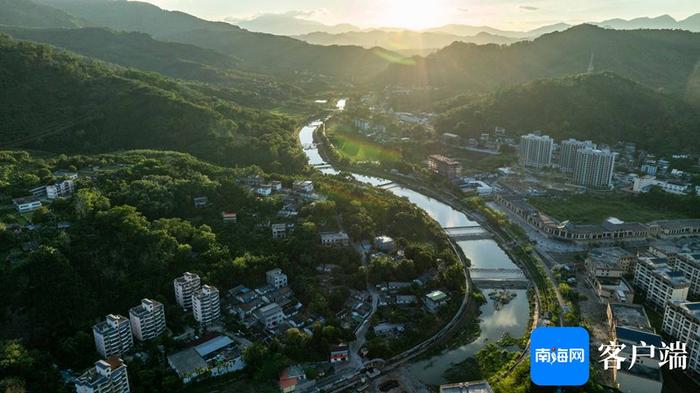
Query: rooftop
[(630, 315), (635, 336), (436, 296), (608, 255)]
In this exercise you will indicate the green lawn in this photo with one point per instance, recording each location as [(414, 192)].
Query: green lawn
[(356, 147), (594, 208)]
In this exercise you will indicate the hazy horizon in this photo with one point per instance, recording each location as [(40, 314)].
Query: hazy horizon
[(419, 14)]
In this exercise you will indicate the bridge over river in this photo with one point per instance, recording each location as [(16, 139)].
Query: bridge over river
[(499, 278), (470, 232)]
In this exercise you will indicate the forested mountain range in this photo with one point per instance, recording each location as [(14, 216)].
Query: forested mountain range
[(60, 103), (661, 59), (603, 107)]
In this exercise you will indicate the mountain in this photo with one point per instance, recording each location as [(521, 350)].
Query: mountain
[(172, 59), (660, 59), (402, 40), (603, 107), (257, 51), (468, 30), (534, 33), (691, 23), (290, 24), (57, 102), (28, 14)]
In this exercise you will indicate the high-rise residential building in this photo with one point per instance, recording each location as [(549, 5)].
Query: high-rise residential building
[(276, 278), (147, 320), (689, 264), (594, 168), (567, 153), (205, 305), (113, 336), (536, 150), (185, 287), (108, 376)]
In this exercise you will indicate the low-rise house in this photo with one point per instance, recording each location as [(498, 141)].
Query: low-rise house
[(387, 329), (276, 278), (291, 377), (270, 315), (229, 216), (397, 285), (335, 239), (279, 230), (200, 202), (26, 204), (385, 244), (609, 262), (303, 186), (339, 353), (276, 185), (213, 355), (107, 376), (264, 189), (613, 290), (402, 300), (245, 310), (434, 300), (627, 315)]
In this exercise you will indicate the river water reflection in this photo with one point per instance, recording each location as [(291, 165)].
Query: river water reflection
[(511, 318)]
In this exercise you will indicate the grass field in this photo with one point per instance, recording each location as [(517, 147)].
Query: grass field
[(356, 147), (594, 208)]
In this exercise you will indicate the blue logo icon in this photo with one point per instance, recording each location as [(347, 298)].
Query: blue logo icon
[(559, 356)]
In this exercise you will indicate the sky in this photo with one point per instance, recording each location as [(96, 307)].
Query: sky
[(418, 14)]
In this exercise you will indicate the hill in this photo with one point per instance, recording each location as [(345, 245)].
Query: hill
[(400, 40), (660, 59), (257, 51), (57, 102), (28, 14), (603, 107), (172, 59)]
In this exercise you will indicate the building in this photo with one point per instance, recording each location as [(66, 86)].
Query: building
[(645, 376), (594, 168), (62, 189), (682, 321), (206, 306), (567, 153), (434, 300), (689, 265), (467, 387), (658, 283), (444, 166), (200, 202), (613, 290), (270, 315), (339, 353), (279, 231), (213, 355), (627, 315), (384, 243), (113, 336), (291, 377), (675, 228), (185, 286), (276, 278), (147, 320), (609, 262), (108, 376), (645, 183), (536, 150), (229, 216), (451, 139), (649, 167), (264, 189), (303, 186), (335, 239), (26, 205)]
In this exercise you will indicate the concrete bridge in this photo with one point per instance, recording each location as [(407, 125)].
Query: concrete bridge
[(471, 232), (499, 278)]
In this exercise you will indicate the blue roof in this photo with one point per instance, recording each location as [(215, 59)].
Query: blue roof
[(637, 336), (213, 345)]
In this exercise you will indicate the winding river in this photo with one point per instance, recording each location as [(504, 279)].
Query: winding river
[(511, 318)]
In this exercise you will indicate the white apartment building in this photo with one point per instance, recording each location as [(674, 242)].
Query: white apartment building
[(147, 320), (113, 336), (682, 322), (594, 168), (306, 186), (206, 306), (279, 231), (26, 205), (185, 287), (567, 153), (689, 264), (270, 316), (108, 376), (536, 150), (660, 284), (276, 278), (645, 183)]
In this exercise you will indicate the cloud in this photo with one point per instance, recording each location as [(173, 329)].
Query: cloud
[(529, 8)]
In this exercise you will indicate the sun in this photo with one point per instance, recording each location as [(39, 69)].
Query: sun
[(413, 14)]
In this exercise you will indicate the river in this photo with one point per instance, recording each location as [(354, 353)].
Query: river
[(511, 318)]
